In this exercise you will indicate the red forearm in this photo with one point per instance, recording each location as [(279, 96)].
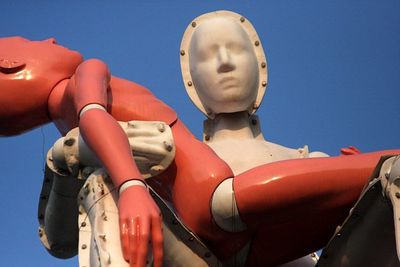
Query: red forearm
[(99, 129), (303, 188), (108, 141)]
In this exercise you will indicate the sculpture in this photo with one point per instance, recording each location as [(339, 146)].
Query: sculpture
[(229, 97), (259, 192)]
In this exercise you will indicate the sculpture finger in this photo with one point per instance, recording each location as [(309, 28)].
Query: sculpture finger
[(133, 241), (124, 234), (142, 242), (157, 238)]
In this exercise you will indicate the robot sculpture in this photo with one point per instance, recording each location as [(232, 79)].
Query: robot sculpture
[(260, 217)]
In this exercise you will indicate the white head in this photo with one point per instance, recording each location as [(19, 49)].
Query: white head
[(223, 64)]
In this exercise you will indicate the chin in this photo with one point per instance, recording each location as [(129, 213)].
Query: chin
[(231, 107)]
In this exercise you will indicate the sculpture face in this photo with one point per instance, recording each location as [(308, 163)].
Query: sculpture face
[(29, 70), (223, 66)]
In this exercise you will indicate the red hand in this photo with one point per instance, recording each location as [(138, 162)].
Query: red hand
[(139, 220)]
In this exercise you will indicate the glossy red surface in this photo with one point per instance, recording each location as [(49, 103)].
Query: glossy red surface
[(291, 207)]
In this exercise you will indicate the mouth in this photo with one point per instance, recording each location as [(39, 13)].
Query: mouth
[(228, 82)]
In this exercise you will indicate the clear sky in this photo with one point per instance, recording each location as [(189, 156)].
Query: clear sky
[(334, 80)]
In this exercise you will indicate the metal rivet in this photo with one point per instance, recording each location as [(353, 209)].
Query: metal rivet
[(161, 127), (242, 19), (263, 65), (194, 24), (207, 137), (189, 83), (182, 52), (256, 43), (69, 142), (83, 224), (84, 246), (168, 146), (264, 83), (397, 194)]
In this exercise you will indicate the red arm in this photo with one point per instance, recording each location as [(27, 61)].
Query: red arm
[(88, 91), (300, 202)]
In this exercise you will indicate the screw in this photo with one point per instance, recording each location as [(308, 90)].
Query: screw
[(161, 127), (263, 65), (256, 43), (194, 24), (83, 224), (182, 52), (189, 83), (264, 83), (168, 146), (84, 246), (242, 19)]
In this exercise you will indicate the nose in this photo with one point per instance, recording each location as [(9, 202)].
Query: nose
[(225, 60), (51, 40)]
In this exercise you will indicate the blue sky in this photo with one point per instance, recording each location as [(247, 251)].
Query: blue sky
[(334, 78)]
